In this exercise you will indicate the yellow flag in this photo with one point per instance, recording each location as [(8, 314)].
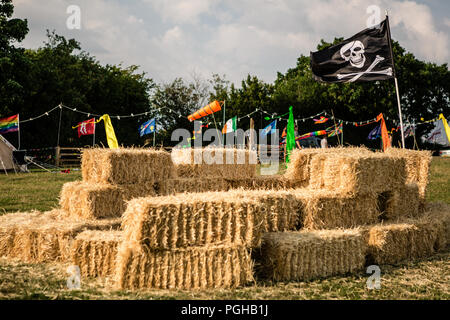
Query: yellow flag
[(446, 127), (110, 135)]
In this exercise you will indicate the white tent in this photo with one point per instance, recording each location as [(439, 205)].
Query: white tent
[(6, 155)]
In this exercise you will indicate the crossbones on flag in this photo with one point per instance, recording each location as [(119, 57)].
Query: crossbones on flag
[(364, 57), (86, 127)]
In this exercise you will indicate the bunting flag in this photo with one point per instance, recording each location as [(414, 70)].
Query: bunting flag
[(86, 127), (364, 57), (110, 134), (10, 124), (230, 125), (312, 134), (147, 127), (384, 132), (336, 131), (290, 135), (375, 133), (322, 119), (270, 129)]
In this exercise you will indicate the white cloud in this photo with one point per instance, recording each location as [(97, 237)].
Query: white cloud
[(235, 37)]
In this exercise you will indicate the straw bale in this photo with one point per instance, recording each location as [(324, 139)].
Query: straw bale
[(214, 162), (275, 182), (323, 209), (43, 236), (305, 255), (197, 219), (417, 167), (126, 166), (300, 160), (205, 267), (95, 252), (355, 173), (189, 185), (93, 200), (406, 203), (409, 239)]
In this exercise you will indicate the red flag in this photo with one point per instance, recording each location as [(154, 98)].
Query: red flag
[(86, 127)]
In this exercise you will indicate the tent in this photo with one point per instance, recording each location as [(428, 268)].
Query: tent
[(6, 155)]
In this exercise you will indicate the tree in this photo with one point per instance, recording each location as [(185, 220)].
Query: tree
[(13, 64)]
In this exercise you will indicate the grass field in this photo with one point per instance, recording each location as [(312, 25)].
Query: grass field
[(425, 279)]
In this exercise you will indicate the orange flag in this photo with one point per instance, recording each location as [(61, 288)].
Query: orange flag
[(384, 132)]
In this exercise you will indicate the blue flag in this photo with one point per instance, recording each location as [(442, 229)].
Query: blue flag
[(147, 127), (375, 133), (270, 129)]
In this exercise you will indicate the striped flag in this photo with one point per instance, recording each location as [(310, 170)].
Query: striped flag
[(10, 124), (230, 125)]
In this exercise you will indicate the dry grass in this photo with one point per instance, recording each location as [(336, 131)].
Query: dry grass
[(223, 266), (191, 185), (95, 252), (126, 166)]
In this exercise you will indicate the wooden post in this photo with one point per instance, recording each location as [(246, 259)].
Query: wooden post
[(251, 139), (57, 156)]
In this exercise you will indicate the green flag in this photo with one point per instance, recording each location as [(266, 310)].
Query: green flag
[(290, 135)]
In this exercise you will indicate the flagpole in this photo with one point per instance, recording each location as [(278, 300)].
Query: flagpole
[(93, 139), (59, 126), (154, 135), (395, 81), (223, 123), (18, 127)]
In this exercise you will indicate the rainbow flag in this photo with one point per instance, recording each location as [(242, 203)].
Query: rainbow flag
[(10, 124)]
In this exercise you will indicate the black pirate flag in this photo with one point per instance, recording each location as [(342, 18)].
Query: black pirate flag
[(364, 57)]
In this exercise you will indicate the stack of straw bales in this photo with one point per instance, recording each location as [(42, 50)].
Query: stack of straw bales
[(113, 176), (44, 237), (203, 238)]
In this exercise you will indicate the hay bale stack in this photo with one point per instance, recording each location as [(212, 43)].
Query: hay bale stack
[(304, 255), (206, 267), (417, 167), (323, 209), (43, 237), (190, 185), (197, 219), (95, 252), (300, 160), (126, 166), (355, 173), (95, 200), (406, 203), (408, 240), (215, 162)]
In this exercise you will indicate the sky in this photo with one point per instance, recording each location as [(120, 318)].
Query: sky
[(197, 38)]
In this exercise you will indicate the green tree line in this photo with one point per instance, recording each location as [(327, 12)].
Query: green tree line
[(34, 81)]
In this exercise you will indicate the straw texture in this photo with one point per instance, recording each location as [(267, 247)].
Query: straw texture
[(214, 162), (95, 252), (304, 255), (408, 240), (43, 237), (126, 166), (205, 267), (234, 217), (93, 201)]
